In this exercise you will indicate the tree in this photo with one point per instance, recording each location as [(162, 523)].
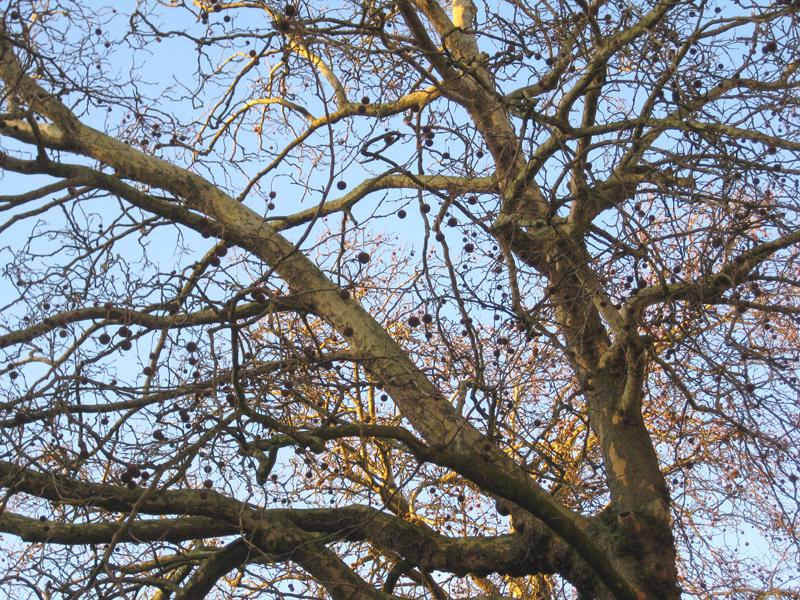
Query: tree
[(377, 299)]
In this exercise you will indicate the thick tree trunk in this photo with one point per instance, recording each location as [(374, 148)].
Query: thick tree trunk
[(639, 496)]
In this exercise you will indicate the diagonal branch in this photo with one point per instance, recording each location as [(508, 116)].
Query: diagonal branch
[(708, 289)]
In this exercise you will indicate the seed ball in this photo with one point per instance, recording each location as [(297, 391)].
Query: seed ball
[(290, 10), (252, 53), (365, 100), (363, 258), (452, 222), (221, 251), (191, 346), (159, 435), (347, 331), (214, 261), (425, 208), (413, 321), (469, 248), (427, 318), (62, 333), (104, 338), (124, 332), (46, 306), (440, 237), (341, 185), (472, 200), (344, 294), (208, 484), (126, 345), (401, 214), (148, 371)]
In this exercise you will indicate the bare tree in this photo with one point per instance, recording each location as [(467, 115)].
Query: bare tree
[(399, 299)]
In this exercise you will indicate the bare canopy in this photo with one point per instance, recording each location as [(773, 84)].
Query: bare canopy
[(399, 299)]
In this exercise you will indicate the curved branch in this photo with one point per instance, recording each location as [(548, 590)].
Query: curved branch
[(455, 185), (134, 317), (207, 514)]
